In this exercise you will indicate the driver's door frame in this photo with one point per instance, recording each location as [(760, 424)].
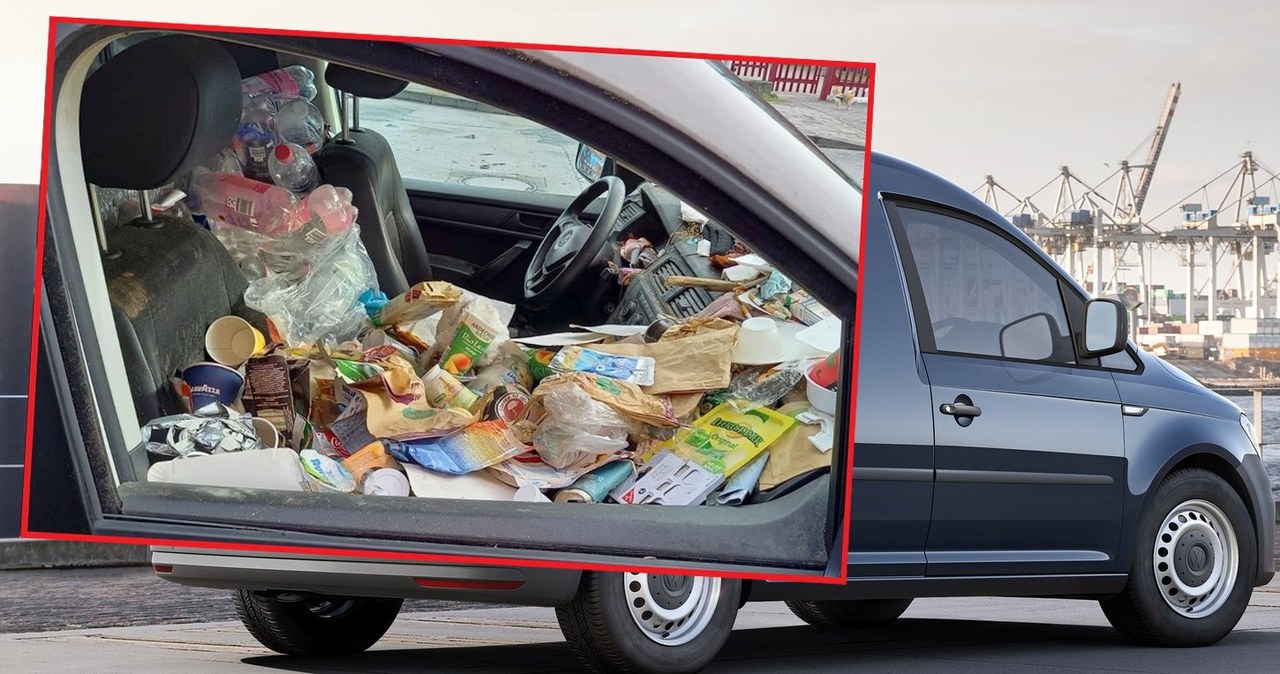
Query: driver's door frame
[(100, 408)]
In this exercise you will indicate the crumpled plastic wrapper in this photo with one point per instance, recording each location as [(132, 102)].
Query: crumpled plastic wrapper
[(214, 429)]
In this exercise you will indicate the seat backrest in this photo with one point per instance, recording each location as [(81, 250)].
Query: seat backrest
[(148, 116), (364, 163)]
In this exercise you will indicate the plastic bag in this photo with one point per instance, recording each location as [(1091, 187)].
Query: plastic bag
[(577, 426), (318, 300)]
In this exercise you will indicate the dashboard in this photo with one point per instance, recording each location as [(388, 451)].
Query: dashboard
[(653, 214)]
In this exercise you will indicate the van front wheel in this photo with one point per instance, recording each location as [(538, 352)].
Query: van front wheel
[(640, 622), (315, 625), (1193, 566)]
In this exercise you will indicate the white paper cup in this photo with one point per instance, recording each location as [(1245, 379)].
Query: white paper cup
[(267, 432), (231, 341)]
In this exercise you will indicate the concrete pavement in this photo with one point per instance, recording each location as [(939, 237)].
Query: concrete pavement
[(935, 635)]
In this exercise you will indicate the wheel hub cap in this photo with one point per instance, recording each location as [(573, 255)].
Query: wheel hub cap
[(1195, 558), (671, 610)]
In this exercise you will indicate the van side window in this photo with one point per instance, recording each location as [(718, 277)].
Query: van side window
[(981, 293)]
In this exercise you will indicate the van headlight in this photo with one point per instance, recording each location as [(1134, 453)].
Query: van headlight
[(1251, 432)]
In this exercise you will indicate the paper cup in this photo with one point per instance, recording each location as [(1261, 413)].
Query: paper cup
[(230, 340), (208, 383), (267, 432)]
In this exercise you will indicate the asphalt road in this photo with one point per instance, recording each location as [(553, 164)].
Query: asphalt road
[(126, 620)]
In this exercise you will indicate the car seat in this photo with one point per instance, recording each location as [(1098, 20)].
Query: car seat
[(147, 117), (362, 161)]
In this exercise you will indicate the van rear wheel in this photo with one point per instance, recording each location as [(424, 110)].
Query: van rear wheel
[(1193, 567), (849, 612), (315, 625), (639, 622)]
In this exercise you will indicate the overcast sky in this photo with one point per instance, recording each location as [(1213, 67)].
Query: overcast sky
[(1017, 89)]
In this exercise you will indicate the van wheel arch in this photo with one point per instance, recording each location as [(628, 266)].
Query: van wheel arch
[(1203, 456)]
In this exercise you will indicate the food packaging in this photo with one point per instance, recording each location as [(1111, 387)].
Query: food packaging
[(470, 343), (638, 370), (729, 436), (444, 390)]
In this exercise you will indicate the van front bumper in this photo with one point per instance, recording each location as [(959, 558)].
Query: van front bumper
[(1264, 505)]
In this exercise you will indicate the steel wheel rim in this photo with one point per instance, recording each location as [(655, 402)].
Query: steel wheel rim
[(1195, 558), (671, 610), (329, 608)]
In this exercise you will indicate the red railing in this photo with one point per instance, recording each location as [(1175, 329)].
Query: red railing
[(804, 78)]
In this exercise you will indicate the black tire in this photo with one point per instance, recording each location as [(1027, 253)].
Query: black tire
[(325, 626), (598, 624), (847, 613), (1140, 612)]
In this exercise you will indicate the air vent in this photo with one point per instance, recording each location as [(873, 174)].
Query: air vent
[(630, 211), (685, 303), (665, 268)]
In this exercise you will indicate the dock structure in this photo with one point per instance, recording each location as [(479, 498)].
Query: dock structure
[(1100, 234)]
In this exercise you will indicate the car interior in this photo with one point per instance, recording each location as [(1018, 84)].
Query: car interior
[(169, 277)]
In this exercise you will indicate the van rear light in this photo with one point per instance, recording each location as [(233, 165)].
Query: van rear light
[(163, 568), (455, 584)]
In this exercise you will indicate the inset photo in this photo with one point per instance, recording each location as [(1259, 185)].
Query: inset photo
[(361, 317)]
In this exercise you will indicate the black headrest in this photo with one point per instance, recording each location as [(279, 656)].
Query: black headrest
[(155, 110), (362, 83)]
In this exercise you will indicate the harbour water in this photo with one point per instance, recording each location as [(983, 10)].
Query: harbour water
[(1270, 433)]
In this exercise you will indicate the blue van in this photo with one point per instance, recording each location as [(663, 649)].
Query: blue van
[(1009, 440)]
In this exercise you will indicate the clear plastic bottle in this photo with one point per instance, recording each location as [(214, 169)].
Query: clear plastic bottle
[(298, 121), (255, 136), (293, 169), (246, 203), (331, 207), (283, 82)]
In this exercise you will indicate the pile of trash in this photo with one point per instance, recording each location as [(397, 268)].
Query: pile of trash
[(429, 394)]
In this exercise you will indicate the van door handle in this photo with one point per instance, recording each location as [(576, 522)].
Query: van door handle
[(962, 407)]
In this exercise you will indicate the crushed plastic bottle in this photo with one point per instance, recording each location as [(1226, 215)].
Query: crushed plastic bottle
[(293, 81), (255, 136), (299, 122), (245, 203), (293, 169), (331, 207)]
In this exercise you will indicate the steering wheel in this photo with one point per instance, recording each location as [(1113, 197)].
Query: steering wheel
[(570, 246)]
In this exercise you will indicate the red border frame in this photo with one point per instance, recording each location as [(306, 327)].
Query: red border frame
[(842, 540)]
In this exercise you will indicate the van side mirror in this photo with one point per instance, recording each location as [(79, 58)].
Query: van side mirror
[(1106, 327), (591, 164)]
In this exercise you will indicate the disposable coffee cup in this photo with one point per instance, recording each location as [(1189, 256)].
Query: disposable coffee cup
[(267, 432), (208, 383), (230, 340)]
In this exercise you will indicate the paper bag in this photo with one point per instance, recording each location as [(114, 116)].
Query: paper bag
[(387, 418), (688, 358), (792, 454), (417, 303)]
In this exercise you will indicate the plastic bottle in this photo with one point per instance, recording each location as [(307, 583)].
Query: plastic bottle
[(290, 81), (255, 136), (298, 121), (293, 169), (246, 203), (332, 207)]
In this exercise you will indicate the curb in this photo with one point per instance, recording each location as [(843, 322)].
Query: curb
[(42, 554), (449, 101)]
